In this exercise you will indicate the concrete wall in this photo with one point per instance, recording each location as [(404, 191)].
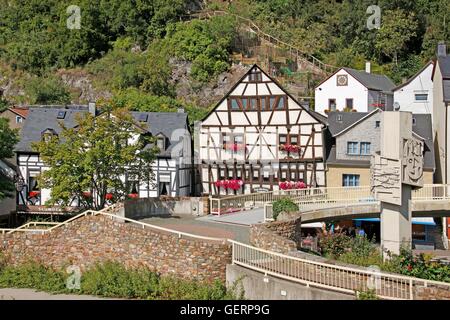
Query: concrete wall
[(257, 288), (93, 239), (151, 207)]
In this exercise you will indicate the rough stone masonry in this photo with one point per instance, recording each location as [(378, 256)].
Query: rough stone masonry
[(93, 239)]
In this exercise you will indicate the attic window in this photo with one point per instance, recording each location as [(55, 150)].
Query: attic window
[(61, 115), (47, 135), (255, 77), (143, 117), (339, 117), (161, 143), (414, 121)]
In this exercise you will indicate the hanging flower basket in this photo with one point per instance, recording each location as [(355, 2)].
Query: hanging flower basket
[(234, 184), (289, 185), (109, 196), (34, 194), (235, 147), (290, 148)]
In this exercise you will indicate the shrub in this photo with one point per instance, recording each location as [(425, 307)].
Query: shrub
[(334, 245), (367, 295), (283, 205), (48, 90)]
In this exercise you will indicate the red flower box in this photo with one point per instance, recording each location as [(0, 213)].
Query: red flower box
[(234, 184), (33, 194), (289, 148), (133, 196), (109, 196), (234, 146), (289, 185)]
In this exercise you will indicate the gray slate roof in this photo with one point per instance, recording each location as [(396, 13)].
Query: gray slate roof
[(444, 65), (348, 118), (423, 128), (372, 81), (42, 118)]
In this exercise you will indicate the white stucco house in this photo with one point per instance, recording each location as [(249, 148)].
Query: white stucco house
[(353, 90), (416, 94)]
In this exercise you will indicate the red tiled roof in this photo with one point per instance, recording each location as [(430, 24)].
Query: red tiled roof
[(21, 111)]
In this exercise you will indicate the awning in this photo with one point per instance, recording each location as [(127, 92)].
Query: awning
[(422, 221), (312, 225)]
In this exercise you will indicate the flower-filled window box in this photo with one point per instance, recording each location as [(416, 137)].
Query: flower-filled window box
[(133, 196), (109, 196), (34, 194), (291, 148), (290, 185), (235, 147), (234, 184)]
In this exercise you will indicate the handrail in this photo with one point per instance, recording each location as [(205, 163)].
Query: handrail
[(104, 212), (275, 41), (329, 276)]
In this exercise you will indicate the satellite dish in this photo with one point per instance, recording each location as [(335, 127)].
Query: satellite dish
[(396, 106)]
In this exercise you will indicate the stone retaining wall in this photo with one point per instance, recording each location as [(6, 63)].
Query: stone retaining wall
[(92, 239), (279, 236), (432, 293)]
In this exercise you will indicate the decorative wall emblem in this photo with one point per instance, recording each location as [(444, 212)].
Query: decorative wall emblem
[(412, 162), (342, 80), (385, 180)]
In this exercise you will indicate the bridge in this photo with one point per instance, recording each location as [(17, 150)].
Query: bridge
[(335, 203)]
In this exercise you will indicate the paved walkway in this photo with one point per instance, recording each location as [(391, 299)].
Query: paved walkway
[(202, 227), (243, 218), (30, 294)]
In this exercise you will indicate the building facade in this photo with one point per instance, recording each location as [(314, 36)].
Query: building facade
[(355, 136), (257, 137), (16, 116), (352, 90), (172, 168), (416, 94)]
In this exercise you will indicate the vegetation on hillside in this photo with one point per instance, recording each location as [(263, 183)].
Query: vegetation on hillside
[(132, 46), (8, 138)]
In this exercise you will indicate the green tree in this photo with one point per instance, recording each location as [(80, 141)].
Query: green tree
[(397, 29), (8, 138), (94, 157)]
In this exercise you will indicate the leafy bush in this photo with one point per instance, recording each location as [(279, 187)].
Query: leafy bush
[(367, 295), (33, 275), (283, 205), (48, 90), (334, 245)]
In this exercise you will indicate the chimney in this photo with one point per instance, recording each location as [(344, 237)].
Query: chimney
[(368, 67), (92, 108), (442, 49)]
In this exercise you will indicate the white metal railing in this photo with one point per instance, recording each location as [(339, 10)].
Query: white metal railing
[(328, 276), (104, 212), (432, 192)]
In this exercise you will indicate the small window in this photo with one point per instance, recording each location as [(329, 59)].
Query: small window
[(263, 103), (283, 138), (414, 121), (272, 103), (255, 77), (238, 138), (350, 180), (244, 103), (19, 119), (253, 104), (352, 147), (280, 105), (256, 173), (294, 140), (143, 117), (377, 124), (339, 118), (61, 115), (222, 174), (365, 148), (161, 143), (349, 103), (421, 97), (332, 104), (234, 104), (226, 139)]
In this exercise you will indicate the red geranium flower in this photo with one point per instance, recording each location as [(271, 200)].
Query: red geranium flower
[(33, 194), (109, 196)]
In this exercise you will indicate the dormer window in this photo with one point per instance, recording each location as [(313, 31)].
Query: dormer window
[(255, 76), (161, 142), (48, 134)]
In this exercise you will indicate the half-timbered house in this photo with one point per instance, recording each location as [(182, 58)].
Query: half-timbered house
[(172, 168), (259, 137)]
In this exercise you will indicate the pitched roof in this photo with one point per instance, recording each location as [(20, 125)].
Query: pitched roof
[(422, 128), (444, 65), (414, 76), (21, 111), (372, 81), (310, 112), (43, 118)]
